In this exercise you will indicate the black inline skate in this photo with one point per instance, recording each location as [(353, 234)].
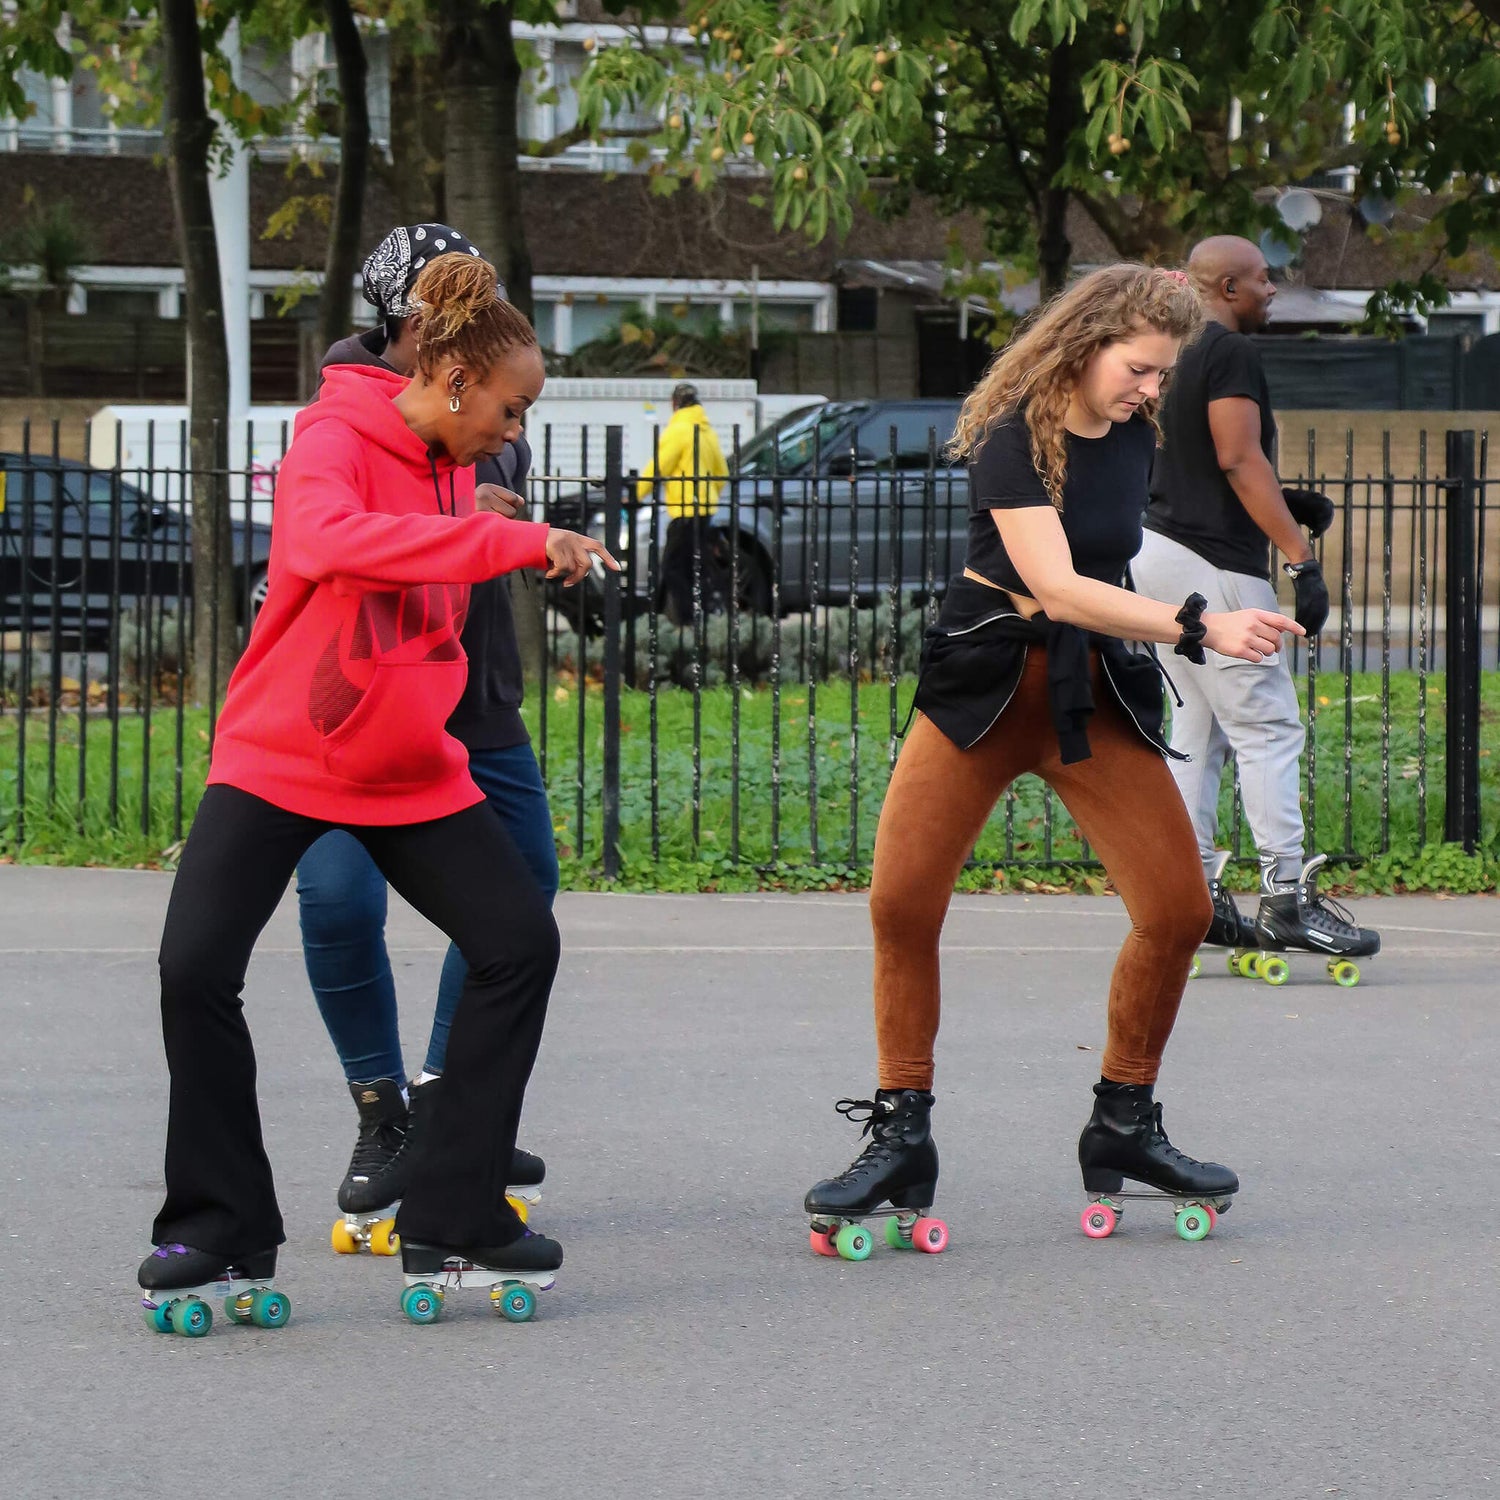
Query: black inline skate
[(1230, 927), (1124, 1139), (894, 1177), (1294, 916)]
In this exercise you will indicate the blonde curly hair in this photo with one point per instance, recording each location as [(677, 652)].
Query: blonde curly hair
[(459, 313), (1042, 365)]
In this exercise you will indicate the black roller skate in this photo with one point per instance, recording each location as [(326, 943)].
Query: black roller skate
[(175, 1280), (1295, 916), (1230, 927), (1125, 1139), (377, 1171), (894, 1177), (514, 1273)]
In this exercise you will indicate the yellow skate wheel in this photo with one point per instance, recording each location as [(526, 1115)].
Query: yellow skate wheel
[(1197, 967), (521, 1206), (1344, 973), (1275, 970), (383, 1238), (342, 1241)]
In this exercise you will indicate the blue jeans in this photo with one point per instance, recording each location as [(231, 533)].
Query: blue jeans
[(341, 898)]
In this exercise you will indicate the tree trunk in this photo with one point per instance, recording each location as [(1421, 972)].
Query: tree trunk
[(344, 247), (190, 132), (415, 175), (482, 90), (516, 262), (1054, 251)]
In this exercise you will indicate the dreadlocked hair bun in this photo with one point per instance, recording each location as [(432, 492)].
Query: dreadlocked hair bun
[(459, 316)]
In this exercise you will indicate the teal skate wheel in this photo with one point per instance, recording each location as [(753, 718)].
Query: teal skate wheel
[(158, 1317), (192, 1317), (1344, 973), (421, 1304), (854, 1242), (515, 1301), (1275, 971), (893, 1236), (237, 1309), (1193, 1222), (269, 1309)]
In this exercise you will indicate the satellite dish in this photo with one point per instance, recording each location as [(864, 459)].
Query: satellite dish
[(1374, 209), (1299, 209), (1279, 255)]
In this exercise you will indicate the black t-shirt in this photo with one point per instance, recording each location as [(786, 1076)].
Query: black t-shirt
[(1192, 500), (1104, 495)]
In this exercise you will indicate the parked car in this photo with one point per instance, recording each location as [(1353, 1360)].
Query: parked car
[(834, 501), (66, 528)]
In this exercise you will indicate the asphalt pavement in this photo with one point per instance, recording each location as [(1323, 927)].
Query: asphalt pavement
[(1336, 1335)]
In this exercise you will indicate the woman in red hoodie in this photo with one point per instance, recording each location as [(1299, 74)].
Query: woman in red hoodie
[(335, 719)]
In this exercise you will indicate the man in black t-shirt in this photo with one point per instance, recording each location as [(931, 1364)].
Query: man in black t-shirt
[(1216, 509)]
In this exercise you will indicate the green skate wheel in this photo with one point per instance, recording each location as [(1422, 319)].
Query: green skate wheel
[(269, 1309), (893, 1236), (158, 1317), (854, 1242), (192, 1317), (1247, 965), (515, 1301), (1193, 1222), (237, 1309), (1197, 967), (421, 1304), (1344, 973), (1275, 971)]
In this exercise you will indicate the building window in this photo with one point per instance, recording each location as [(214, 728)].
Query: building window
[(544, 320), (794, 317), (596, 317), (122, 302)]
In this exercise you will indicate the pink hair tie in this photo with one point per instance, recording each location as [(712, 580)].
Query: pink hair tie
[(1180, 277)]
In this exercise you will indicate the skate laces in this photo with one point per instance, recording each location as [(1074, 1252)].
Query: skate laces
[(876, 1115), (1159, 1131), (1327, 915), (376, 1149)]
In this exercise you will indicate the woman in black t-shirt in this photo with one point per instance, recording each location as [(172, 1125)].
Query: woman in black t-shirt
[(1027, 671)]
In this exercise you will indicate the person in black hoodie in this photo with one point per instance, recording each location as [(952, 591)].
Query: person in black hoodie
[(341, 894)]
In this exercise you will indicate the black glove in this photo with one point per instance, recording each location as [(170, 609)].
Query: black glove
[(1310, 509), (1311, 612)]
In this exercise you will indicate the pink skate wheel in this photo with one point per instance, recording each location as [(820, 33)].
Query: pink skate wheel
[(1213, 1216), (930, 1235), (822, 1242), (1099, 1221)]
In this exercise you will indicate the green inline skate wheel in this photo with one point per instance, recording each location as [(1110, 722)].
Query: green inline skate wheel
[(1344, 973)]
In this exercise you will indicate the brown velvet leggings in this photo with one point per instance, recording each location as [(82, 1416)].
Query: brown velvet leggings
[(1126, 803)]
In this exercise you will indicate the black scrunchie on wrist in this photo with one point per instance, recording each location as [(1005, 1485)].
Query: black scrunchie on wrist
[(1190, 617)]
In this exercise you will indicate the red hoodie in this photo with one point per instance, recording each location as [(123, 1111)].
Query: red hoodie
[(337, 707)]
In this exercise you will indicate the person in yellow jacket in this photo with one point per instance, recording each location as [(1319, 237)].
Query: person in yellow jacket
[(689, 471)]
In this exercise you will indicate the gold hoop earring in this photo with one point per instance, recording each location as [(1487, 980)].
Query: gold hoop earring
[(453, 403)]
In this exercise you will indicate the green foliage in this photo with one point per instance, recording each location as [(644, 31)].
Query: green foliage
[(819, 752)]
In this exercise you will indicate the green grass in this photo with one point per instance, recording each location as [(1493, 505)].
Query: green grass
[(824, 790)]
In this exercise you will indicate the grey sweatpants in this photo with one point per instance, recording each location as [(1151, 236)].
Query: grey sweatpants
[(1249, 708)]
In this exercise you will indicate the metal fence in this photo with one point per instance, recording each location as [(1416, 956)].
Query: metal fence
[(748, 716)]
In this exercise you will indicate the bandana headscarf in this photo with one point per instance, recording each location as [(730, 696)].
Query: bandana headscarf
[(397, 261)]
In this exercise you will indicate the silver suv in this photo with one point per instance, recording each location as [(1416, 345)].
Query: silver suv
[(836, 500)]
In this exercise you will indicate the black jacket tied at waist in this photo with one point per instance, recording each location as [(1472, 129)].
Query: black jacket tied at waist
[(972, 660)]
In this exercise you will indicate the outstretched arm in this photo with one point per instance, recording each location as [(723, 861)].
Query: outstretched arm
[(1036, 543)]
